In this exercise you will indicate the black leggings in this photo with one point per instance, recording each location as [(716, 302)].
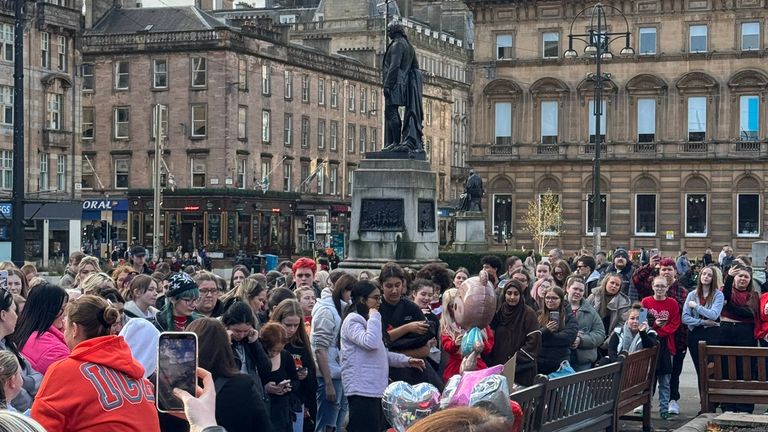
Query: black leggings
[(365, 414)]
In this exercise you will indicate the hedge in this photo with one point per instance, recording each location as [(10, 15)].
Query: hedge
[(472, 260)]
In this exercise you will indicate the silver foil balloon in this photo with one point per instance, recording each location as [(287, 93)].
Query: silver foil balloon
[(404, 404), (492, 394)]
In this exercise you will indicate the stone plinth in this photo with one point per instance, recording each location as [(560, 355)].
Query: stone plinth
[(470, 232), (394, 215)]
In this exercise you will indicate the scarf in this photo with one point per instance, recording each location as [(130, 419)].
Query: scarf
[(607, 298), (627, 339), (511, 315)]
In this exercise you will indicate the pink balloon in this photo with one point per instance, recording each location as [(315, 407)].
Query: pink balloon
[(475, 302)]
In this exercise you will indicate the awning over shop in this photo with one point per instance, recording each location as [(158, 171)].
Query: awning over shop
[(53, 210)]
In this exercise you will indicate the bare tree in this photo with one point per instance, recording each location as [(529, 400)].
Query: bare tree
[(544, 219)]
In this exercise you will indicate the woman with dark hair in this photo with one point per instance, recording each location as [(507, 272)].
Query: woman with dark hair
[(179, 310), (324, 339), (250, 357), (290, 314), (516, 331), (239, 406), (560, 272), (558, 331), (524, 277), (17, 282), (142, 295), (239, 273), (365, 360), (280, 379), (78, 393), (38, 333), (31, 378)]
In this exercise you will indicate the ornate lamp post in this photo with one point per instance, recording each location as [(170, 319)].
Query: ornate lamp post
[(597, 40)]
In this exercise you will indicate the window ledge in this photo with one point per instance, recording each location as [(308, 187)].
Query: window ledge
[(645, 234), (159, 89), (748, 235), (198, 88), (198, 138), (697, 235)]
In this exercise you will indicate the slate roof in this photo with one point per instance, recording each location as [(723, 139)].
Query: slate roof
[(161, 19)]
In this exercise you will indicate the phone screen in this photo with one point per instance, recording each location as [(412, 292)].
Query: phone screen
[(281, 282), (3, 278), (643, 315), (176, 368), (554, 316)]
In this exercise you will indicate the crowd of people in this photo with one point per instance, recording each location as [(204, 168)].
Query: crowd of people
[(309, 348)]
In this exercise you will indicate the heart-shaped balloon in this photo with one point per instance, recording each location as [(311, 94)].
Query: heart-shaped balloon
[(404, 404)]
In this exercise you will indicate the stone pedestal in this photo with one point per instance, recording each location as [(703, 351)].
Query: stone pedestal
[(470, 232), (394, 215)]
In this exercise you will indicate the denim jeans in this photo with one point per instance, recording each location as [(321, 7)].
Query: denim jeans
[(330, 413), (663, 381), (298, 423)]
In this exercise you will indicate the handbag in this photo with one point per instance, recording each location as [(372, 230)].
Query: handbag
[(565, 369)]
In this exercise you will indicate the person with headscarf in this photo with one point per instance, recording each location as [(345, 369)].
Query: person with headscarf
[(179, 309)]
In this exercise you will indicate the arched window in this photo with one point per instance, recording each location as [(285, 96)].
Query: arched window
[(501, 96), (748, 91), (586, 91), (548, 96), (589, 210), (696, 199), (748, 206), (646, 94), (699, 103), (646, 199), (502, 217)]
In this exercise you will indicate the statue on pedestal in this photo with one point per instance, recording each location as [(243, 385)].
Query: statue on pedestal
[(403, 85), (472, 197)]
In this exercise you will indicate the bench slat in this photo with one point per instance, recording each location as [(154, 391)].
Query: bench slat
[(733, 375)]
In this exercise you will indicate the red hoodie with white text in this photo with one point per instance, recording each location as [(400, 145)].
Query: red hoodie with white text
[(100, 387)]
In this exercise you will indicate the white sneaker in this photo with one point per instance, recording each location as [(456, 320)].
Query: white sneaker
[(638, 410), (674, 408)]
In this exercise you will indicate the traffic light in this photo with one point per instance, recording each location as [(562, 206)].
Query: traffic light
[(309, 227)]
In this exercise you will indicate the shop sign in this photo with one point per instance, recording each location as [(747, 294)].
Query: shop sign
[(99, 204), (6, 210)]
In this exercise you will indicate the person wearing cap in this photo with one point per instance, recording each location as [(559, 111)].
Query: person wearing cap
[(623, 266), (179, 309), (139, 260)]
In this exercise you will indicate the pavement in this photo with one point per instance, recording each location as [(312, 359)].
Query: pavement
[(689, 405)]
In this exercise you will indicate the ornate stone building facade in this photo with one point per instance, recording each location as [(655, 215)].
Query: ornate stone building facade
[(685, 122)]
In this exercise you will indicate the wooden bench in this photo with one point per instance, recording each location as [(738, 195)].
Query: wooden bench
[(585, 401), (732, 375), (637, 386), (530, 399)]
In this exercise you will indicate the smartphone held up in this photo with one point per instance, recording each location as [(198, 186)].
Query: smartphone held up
[(176, 368)]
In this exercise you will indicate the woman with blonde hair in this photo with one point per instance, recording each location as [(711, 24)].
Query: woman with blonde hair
[(17, 282), (322, 278), (451, 335), (11, 421), (11, 382), (95, 282), (251, 292), (88, 265), (462, 419)]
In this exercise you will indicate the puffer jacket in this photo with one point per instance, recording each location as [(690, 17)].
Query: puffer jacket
[(592, 334)]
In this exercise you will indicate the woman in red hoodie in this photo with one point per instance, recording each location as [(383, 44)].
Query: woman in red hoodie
[(100, 386)]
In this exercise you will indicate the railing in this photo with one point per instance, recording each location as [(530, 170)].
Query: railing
[(547, 149), (748, 146), (501, 150), (694, 147), (160, 38), (590, 149), (645, 148)]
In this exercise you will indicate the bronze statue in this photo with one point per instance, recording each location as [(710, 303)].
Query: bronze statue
[(473, 193), (402, 88)]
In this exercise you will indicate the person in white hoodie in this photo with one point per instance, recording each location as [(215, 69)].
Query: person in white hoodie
[(324, 339), (142, 338)]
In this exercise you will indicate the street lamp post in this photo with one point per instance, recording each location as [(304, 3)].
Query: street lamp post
[(17, 216), (156, 186), (598, 39)]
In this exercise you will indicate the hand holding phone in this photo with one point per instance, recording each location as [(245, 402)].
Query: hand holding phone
[(554, 316), (176, 369), (643, 316)]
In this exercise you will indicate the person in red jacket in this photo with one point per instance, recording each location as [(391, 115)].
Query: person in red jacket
[(100, 387), (451, 335)]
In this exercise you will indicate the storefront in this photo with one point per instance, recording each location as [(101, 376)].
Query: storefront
[(105, 225), (51, 231)]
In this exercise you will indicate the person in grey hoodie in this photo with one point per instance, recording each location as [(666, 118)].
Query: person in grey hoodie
[(365, 360), (324, 339), (591, 330)]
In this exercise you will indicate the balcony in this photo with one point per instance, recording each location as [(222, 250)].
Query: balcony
[(645, 148), (51, 14), (547, 149), (693, 147), (748, 147), (57, 138)]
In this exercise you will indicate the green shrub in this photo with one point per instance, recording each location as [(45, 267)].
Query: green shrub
[(472, 260)]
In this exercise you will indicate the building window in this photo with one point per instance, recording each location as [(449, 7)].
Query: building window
[(199, 120), (334, 94), (43, 181), (45, 50), (62, 46), (266, 171), (592, 125), (266, 80), (502, 216), (374, 103), (333, 180), (647, 41), (320, 133), (241, 179), (242, 74), (162, 124), (748, 215), (549, 122), (646, 120), (54, 111), (199, 72), (122, 122), (363, 139), (645, 214), (6, 105), (750, 36), (61, 173), (122, 69), (591, 214), (503, 47), (122, 172), (6, 167), (749, 117), (373, 138), (305, 132), (87, 123), (287, 172), (160, 73), (242, 122), (87, 180), (363, 100), (428, 112), (87, 75), (334, 135), (350, 180), (698, 38), (321, 181), (288, 129), (266, 130), (551, 44), (6, 42), (351, 138), (695, 214), (321, 91), (288, 84), (503, 124), (305, 88), (198, 171), (351, 97), (697, 118)]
